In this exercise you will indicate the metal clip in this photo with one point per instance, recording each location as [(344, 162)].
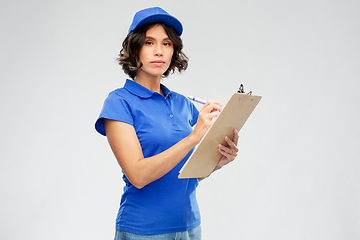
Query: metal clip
[(242, 90)]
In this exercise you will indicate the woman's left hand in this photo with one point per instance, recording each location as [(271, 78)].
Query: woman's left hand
[(229, 153)]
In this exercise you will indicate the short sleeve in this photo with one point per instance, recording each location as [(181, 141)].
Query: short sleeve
[(194, 114), (114, 108)]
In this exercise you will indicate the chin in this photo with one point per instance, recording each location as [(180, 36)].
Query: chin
[(154, 73)]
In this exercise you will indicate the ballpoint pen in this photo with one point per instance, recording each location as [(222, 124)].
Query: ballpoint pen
[(195, 99)]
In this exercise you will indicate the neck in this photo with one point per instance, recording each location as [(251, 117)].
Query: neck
[(149, 81)]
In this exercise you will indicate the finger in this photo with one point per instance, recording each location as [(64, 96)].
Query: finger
[(217, 167), (236, 136), (211, 106), (226, 158), (231, 144), (213, 101), (214, 110), (228, 152), (208, 117)]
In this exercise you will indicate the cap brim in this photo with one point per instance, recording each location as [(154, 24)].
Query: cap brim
[(168, 20)]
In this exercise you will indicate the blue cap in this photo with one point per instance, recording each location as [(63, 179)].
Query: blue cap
[(152, 15)]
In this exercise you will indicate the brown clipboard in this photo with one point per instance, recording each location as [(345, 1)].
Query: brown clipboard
[(206, 155)]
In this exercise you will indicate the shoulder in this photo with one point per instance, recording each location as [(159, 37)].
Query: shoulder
[(117, 106), (181, 98), (119, 95)]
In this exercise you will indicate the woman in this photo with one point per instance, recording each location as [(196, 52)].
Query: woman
[(149, 129)]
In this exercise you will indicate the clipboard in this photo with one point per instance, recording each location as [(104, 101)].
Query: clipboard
[(203, 160)]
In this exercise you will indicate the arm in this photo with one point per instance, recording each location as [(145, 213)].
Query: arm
[(141, 171)]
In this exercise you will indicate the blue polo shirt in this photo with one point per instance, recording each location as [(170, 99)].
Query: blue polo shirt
[(168, 204)]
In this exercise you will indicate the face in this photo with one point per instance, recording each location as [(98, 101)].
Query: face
[(156, 53)]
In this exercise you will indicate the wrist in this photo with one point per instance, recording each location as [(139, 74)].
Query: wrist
[(194, 138)]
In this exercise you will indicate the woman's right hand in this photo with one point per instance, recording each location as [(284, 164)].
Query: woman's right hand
[(210, 110)]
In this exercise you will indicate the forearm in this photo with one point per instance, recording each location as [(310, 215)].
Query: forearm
[(147, 170)]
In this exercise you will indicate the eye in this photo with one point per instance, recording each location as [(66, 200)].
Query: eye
[(148, 43), (167, 43)]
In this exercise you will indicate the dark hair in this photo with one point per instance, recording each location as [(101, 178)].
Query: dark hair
[(129, 54)]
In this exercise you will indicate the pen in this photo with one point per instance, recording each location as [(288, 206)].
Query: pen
[(195, 99)]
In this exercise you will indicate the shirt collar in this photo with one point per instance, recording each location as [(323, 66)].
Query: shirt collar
[(165, 90), (143, 92)]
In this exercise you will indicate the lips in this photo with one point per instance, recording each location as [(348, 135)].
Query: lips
[(158, 63)]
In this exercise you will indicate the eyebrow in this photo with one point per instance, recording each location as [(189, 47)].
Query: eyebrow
[(165, 39)]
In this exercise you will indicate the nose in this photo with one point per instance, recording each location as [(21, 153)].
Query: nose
[(158, 50)]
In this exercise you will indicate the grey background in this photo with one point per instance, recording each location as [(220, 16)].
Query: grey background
[(297, 174)]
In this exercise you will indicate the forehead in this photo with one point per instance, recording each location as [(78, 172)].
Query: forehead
[(157, 31)]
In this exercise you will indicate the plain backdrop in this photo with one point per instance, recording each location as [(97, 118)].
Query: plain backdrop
[(297, 172)]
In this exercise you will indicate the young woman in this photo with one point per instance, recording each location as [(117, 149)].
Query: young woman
[(149, 129)]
